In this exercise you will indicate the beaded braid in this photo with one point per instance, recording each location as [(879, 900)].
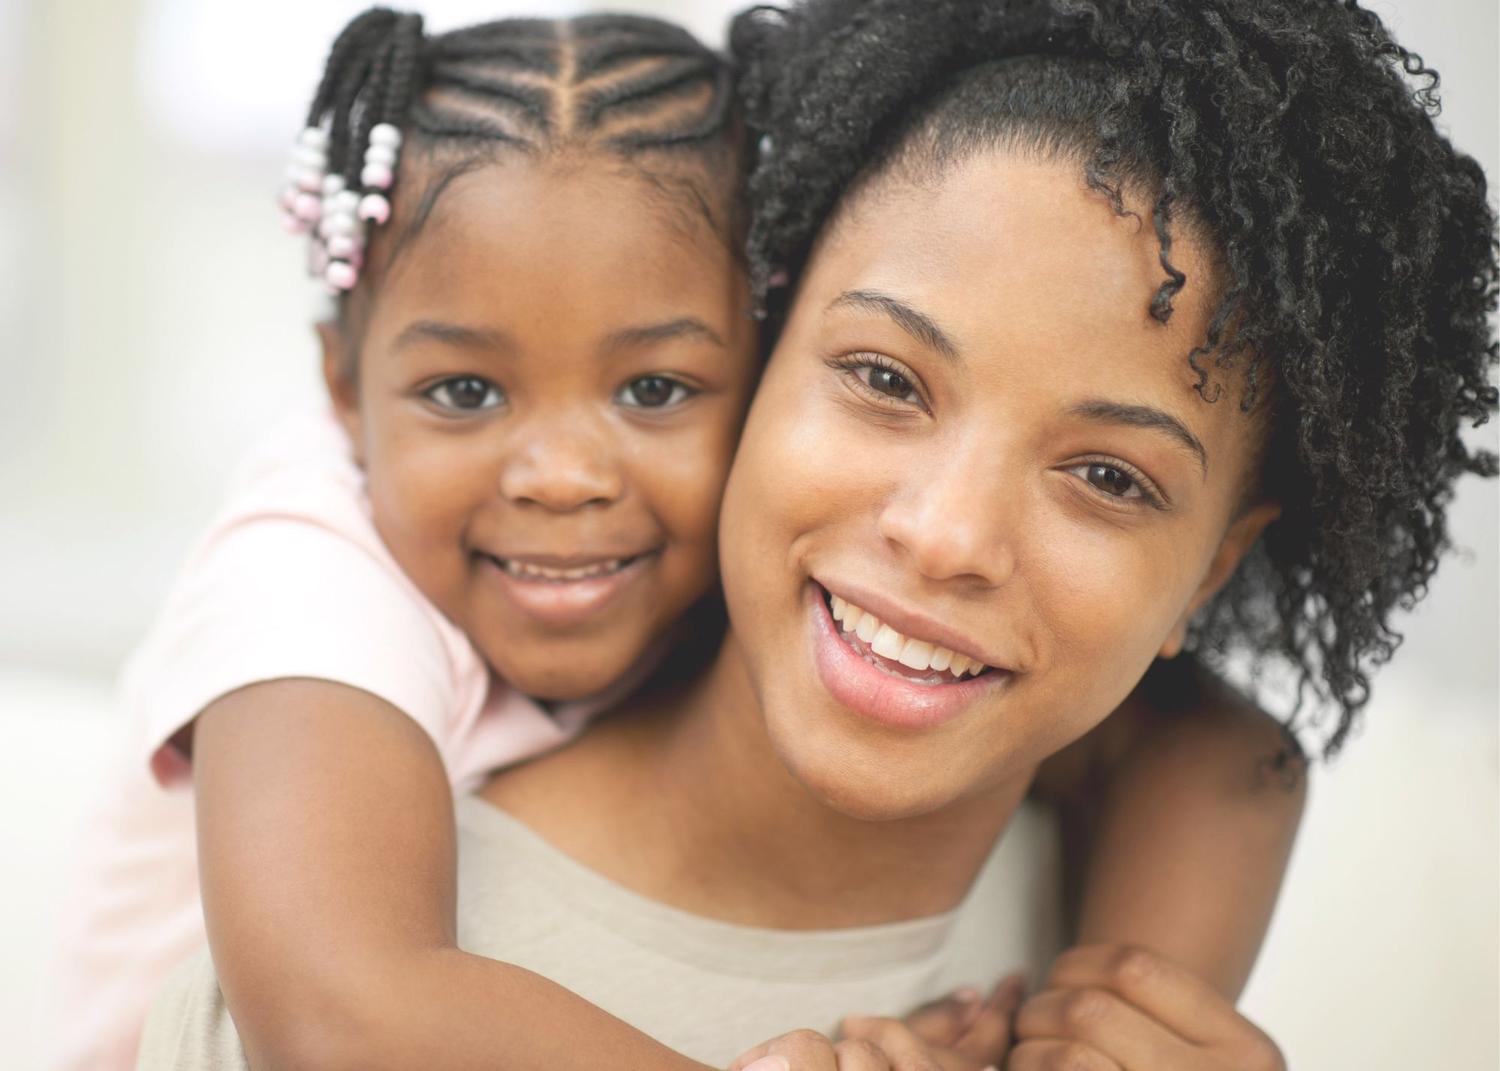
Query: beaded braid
[(623, 84)]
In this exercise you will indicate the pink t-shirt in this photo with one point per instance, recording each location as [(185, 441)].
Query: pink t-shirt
[(291, 580)]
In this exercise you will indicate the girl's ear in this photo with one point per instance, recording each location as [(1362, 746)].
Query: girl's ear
[(339, 378), (1238, 540)]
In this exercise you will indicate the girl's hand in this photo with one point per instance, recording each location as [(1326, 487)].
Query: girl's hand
[(1114, 1008), (969, 1026), (958, 1033), (808, 1050)]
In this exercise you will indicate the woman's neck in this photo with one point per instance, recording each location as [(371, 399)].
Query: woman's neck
[(682, 798)]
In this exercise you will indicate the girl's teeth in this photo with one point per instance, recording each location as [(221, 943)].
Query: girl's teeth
[(527, 571), (888, 643)]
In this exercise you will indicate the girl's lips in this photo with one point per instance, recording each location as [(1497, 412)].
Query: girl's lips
[(564, 603), (897, 702)]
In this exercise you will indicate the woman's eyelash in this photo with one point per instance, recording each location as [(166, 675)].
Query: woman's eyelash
[(1150, 494), (852, 364)]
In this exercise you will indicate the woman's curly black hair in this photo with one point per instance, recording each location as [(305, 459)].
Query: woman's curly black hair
[(1358, 251)]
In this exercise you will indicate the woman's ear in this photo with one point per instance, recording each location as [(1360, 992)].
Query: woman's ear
[(340, 379), (1237, 541)]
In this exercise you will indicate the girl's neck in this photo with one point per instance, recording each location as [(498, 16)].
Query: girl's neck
[(683, 798)]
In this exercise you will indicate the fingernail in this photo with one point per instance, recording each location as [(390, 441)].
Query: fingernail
[(966, 994), (769, 1063)]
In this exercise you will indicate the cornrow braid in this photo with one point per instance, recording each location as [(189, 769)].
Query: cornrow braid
[(1358, 251), (627, 85)]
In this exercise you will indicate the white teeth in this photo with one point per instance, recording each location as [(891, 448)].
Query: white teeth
[(888, 643), (885, 641), (528, 571), (915, 655)]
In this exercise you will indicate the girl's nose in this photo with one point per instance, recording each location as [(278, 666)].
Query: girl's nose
[(562, 469), (952, 522)]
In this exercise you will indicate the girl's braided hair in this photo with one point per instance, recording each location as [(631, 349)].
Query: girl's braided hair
[(639, 89), (1357, 248)]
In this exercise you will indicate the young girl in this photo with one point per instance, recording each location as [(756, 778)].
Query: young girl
[(983, 487), (539, 367)]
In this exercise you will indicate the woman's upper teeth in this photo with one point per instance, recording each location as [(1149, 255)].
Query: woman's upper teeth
[(888, 643), (530, 571)]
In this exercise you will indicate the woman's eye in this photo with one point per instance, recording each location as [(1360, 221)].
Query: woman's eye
[(468, 394), (887, 381), (652, 392), (1112, 481)]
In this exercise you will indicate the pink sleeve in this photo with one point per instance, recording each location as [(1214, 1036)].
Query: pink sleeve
[(272, 598)]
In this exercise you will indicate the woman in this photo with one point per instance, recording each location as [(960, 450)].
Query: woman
[(1011, 429)]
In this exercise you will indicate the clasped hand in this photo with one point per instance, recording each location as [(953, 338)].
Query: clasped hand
[(1102, 1008)]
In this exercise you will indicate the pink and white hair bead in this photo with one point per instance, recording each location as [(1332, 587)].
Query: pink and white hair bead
[(337, 217)]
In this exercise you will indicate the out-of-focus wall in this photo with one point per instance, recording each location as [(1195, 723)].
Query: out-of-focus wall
[(153, 319)]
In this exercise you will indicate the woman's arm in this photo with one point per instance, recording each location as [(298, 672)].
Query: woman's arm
[(327, 860), (1180, 819)]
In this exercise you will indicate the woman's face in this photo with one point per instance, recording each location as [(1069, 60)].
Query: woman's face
[(974, 445)]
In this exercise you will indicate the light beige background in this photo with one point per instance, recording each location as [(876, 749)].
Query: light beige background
[(153, 319)]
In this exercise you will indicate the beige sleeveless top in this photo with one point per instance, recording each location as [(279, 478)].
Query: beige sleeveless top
[(708, 989)]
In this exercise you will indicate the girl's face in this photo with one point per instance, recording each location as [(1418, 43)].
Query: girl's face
[(973, 444), (550, 383)]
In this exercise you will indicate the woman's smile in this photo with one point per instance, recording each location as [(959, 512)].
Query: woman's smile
[(900, 681)]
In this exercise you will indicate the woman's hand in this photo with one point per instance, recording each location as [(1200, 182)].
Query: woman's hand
[(959, 1033), (1115, 1008)]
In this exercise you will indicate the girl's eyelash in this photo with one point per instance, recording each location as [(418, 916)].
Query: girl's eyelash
[(851, 363), (1150, 494)]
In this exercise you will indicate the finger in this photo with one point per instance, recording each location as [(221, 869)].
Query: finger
[(855, 1054), (904, 1049), (1058, 1056), (1175, 997), (988, 1037), (944, 1021), (1104, 1021), (801, 1050)]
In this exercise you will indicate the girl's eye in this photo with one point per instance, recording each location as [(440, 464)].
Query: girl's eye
[(652, 392), (466, 394)]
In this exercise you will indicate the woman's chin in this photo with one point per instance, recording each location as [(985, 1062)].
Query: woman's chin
[(862, 781)]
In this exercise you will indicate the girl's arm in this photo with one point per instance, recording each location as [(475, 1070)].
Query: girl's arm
[(1179, 818), (327, 861)]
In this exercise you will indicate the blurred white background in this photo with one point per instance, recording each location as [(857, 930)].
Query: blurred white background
[(153, 319)]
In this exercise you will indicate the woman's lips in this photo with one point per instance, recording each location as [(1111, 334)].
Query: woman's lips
[(564, 595), (889, 693)]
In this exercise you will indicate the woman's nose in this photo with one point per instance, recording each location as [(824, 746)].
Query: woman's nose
[(562, 468), (950, 523)]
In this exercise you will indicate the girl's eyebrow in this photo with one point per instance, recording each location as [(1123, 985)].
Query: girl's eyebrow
[(682, 327), (469, 338), (1144, 416), (917, 324)]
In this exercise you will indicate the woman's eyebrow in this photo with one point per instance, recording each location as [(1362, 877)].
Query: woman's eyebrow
[(649, 334), (918, 325), (1144, 416)]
